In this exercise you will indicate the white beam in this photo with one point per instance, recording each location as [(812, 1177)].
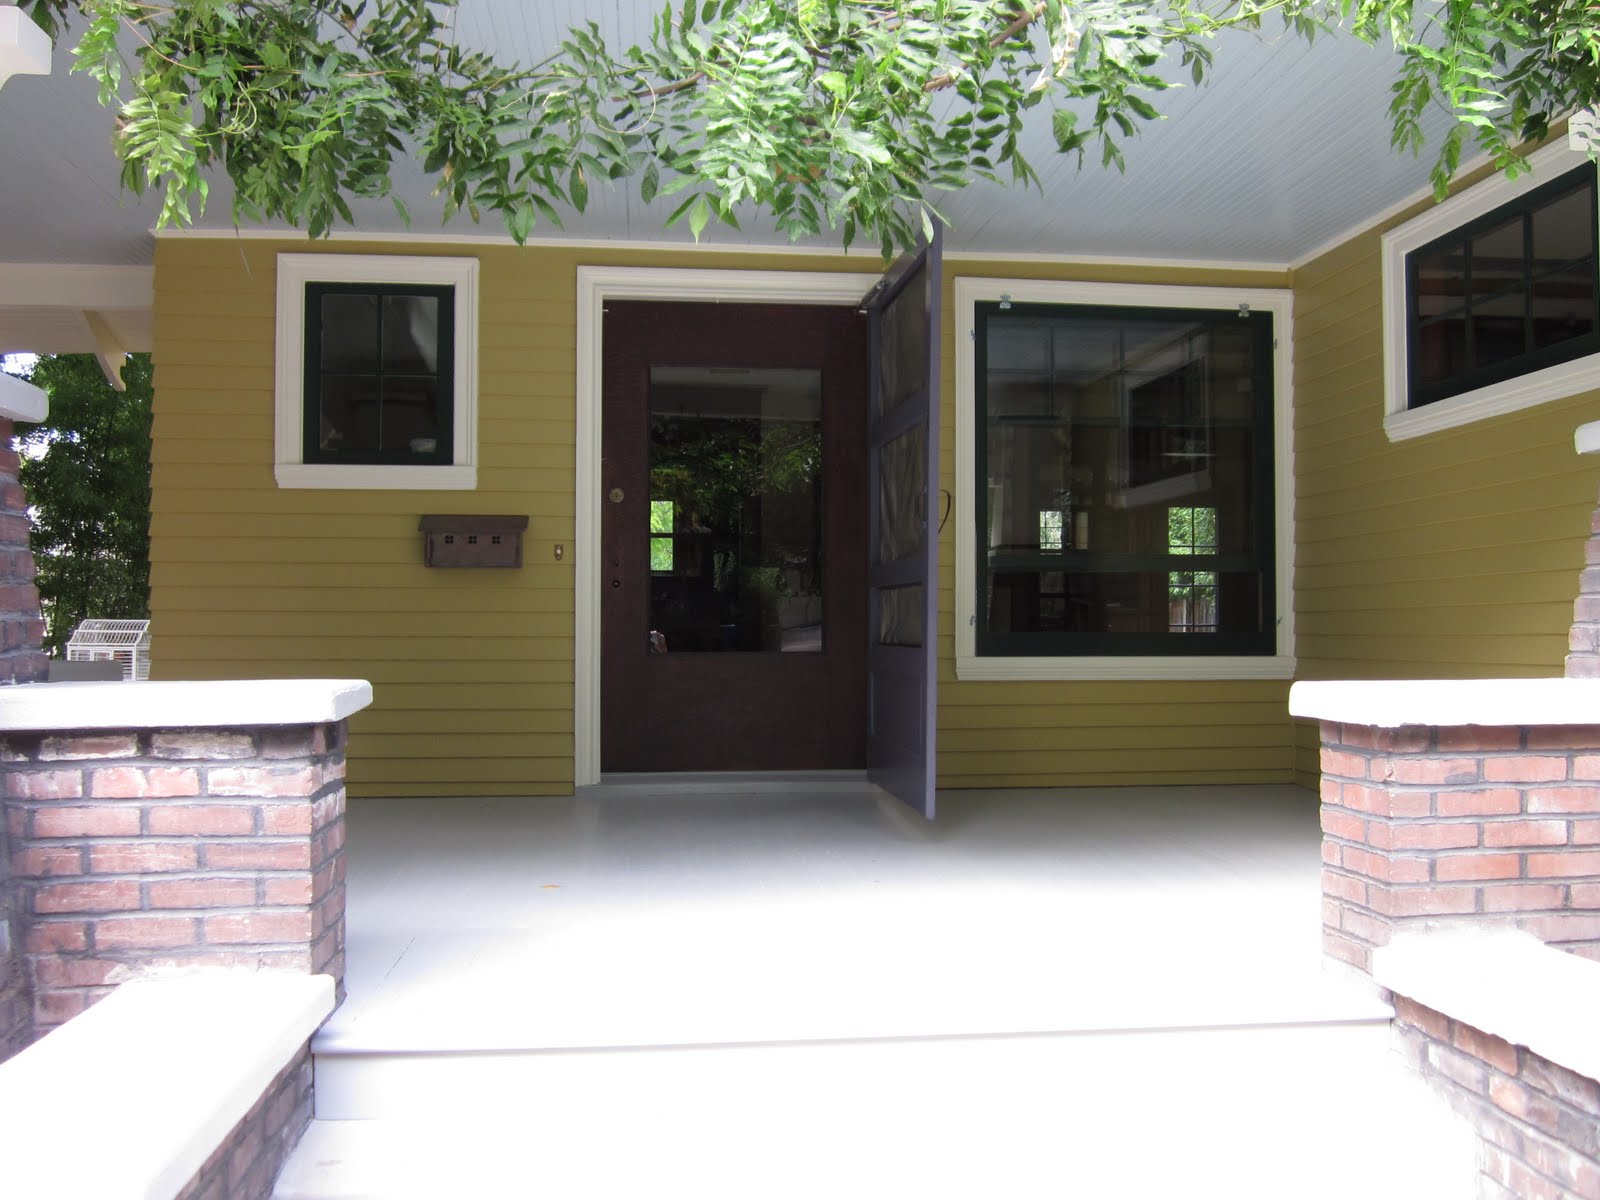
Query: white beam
[(24, 47), (76, 285), (108, 349)]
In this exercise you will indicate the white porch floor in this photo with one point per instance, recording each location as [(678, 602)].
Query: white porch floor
[(754, 987), (646, 918)]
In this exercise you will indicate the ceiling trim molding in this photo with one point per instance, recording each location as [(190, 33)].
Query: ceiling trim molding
[(501, 239), (1111, 260), (650, 245)]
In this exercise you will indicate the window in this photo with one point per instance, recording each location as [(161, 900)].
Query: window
[(1492, 299), (1123, 482), (1505, 294), (376, 372)]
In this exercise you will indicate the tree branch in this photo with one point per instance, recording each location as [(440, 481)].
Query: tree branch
[(1022, 21)]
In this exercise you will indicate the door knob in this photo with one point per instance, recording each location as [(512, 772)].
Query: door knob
[(614, 495), (616, 583)]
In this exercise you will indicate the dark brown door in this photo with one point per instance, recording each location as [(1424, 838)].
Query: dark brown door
[(734, 538)]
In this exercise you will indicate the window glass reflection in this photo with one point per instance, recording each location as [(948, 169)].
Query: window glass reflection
[(735, 510)]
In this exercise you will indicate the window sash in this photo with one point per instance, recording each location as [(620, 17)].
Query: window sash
[(443, 375), (1420, 394), (1257, 559)]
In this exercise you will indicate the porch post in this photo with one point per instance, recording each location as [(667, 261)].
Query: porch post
[(22, 660), (171, 825)]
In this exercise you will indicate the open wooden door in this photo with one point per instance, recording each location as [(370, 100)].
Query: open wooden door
[(903, 527)]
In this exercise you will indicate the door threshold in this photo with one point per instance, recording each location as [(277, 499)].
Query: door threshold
[(728, 782)]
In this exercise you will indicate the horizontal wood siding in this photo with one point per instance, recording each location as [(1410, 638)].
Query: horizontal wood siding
[(1451, 555), (1094, 734), (473, 670)]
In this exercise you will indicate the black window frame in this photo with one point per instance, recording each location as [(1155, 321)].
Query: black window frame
[(443, 453), (1262, 558), (1420, 395)]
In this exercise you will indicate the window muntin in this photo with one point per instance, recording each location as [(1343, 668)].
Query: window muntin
[(1094, 425), (1511, 292), (379, 370)]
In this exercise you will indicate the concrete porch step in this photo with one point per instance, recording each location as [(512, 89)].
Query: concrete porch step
[(1320, 1111)]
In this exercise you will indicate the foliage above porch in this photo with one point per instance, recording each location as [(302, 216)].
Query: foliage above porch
[(826, 114)]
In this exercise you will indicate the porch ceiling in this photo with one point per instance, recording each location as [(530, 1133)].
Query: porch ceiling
[(1284, 149)]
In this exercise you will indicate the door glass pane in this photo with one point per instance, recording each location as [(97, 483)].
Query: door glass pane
[(900, 619), (903, 345), (902, 502), (735, 510)]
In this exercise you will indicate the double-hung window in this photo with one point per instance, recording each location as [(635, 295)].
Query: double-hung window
[(376, 372), (1122, 474), (1492, 299)]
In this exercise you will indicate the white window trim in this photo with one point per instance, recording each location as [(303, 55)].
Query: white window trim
[(297, 270), (1498, 399), (969, 666)]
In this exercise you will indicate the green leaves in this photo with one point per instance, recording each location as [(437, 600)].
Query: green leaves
[(87, 472)]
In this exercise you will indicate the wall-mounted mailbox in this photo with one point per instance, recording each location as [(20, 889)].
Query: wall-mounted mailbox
[(472, 541)]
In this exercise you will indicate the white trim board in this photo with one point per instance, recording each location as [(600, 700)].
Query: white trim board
[(867, 257), (595, 286), (969, 666)]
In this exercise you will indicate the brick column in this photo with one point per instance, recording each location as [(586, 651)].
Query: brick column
[(1426, 824), (142, 849), (22, 660), (1583, 640)]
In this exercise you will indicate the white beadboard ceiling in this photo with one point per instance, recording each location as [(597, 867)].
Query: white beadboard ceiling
[(1286, 147)]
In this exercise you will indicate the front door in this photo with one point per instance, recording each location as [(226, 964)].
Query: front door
[(734, 538)]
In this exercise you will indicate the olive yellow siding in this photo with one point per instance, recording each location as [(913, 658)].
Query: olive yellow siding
[(473, 671), (1455, 554)]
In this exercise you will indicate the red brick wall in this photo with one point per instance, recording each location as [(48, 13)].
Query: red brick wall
[(1539, 1123), (1470, 824), (137, 850), (22, 660), (246, 1164)]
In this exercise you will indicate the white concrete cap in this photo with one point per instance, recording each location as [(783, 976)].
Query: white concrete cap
[(130, 1098), (171, 704), (1587, 439), (19, 400), (1504, 982), (1391, 703)]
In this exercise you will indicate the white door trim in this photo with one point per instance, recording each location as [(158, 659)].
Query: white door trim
[(596, 285)]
